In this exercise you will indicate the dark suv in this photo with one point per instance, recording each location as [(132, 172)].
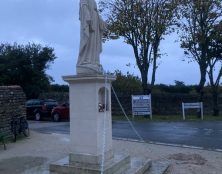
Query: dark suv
[(39, 109)]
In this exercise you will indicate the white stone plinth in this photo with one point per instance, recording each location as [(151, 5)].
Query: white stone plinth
[(86, 121), (88, 156)]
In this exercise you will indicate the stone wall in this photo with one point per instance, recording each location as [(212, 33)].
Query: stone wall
[(12, 102)]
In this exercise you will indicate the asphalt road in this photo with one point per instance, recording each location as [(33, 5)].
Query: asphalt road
[(203, 135)]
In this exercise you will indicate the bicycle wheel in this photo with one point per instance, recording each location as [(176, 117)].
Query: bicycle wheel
[(14, 129), (25, 127), (26, 132)]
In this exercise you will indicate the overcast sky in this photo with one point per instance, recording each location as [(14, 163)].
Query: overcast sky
[(55, 23)]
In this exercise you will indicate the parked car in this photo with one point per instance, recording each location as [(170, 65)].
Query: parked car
[(61, 112), (39, 109)]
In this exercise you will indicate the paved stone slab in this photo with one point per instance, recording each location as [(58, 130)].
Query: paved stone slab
[(139, 166), (117, 165), (159, 167)]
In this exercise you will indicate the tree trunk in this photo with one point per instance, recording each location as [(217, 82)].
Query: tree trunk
[(202, 82), (215, 102), (155, 51), (214, 91), (144, 83), (200, 88)]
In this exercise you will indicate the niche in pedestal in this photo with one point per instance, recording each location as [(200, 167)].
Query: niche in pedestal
[(103, 104)]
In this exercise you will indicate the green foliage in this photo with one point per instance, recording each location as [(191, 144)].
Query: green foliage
[(199, 20), (25, 65), (179, 83), (168, 118), (127, 84), (130, 84), (142, 24), (162, 88), (215, 54), (59, 88), (201, 39)]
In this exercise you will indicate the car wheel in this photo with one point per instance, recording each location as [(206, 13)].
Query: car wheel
[(37, 116), (56, 117)]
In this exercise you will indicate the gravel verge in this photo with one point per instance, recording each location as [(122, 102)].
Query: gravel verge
[(34, 154)]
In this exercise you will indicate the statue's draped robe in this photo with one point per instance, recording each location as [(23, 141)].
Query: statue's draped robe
[(92, 27)]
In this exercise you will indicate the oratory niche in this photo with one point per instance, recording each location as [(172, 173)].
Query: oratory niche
[(103, 99)]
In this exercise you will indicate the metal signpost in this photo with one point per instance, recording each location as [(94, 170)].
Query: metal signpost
[(141, 105), (198, 105)]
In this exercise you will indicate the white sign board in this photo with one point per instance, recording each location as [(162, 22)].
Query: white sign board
[(197, 105), (141, 105), (192, 105)]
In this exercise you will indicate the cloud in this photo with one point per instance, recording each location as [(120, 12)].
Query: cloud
[(55, 23)]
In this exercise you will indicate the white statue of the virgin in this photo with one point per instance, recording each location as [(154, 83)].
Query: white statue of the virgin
[(91, 32)]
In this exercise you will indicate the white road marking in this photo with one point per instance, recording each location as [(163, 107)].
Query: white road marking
[(169, 144)]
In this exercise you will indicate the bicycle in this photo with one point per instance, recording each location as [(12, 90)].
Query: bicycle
[(19, 125), (2, 139)]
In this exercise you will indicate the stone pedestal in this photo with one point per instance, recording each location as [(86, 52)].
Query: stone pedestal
[(88, 96), (90, 113)]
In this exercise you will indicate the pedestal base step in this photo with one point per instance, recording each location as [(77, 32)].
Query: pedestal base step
[(139, 166), (158, 167), (120, 164)]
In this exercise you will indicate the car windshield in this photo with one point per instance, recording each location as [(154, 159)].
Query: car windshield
[(51, 102), (33, 102)]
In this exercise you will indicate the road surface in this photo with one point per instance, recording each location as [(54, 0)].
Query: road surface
[(203, 135)]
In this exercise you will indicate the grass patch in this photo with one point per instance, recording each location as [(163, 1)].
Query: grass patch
[(168, 118)]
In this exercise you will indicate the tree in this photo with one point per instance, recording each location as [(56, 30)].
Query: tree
[(179, 83), (178, 88), (197, 20), (26, 65), (142, 24), (59, 88), (126, 84), (215, 58), (200, 20)]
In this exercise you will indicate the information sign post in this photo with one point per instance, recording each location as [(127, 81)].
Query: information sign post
[(141, 105), (197, 105)]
